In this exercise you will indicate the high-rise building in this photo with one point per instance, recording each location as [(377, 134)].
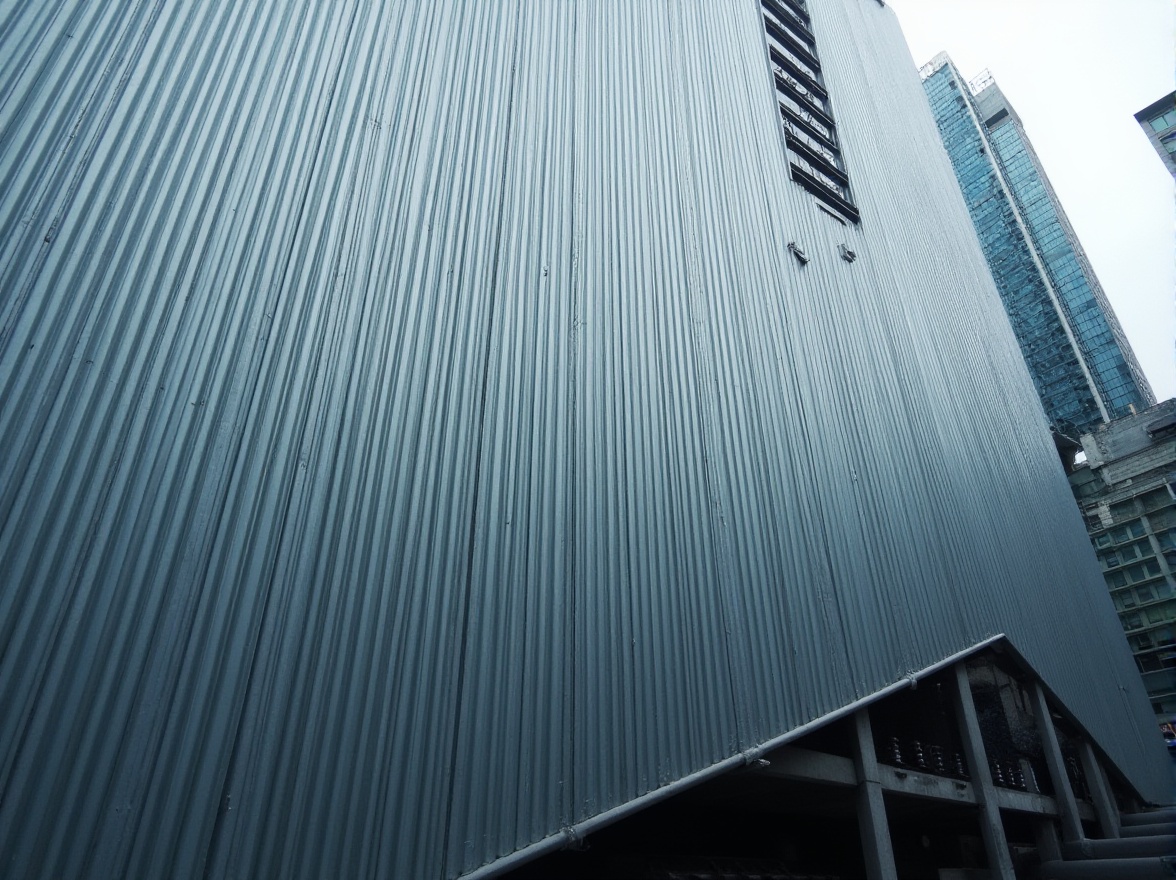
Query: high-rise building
[(1127, 491), (1158, 121), (1082, 365), (431, 432)]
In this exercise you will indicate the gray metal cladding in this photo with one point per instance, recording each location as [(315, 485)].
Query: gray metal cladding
[(417, 438)]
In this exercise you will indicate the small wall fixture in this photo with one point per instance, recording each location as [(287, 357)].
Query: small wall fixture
[(846, 254), (798, 252)]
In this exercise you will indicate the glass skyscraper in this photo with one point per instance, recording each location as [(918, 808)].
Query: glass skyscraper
[(1081, 363)]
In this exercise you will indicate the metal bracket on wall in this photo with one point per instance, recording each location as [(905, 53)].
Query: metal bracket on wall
[(798, 252)]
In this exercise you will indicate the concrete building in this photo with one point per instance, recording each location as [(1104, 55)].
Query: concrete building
[(1082, 365), (1127, 491), (434, 434), (1158, 122)]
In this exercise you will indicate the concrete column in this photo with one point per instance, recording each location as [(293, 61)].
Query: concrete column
[(871, 808), (1049, 847), (1104, 804), (1063, 793), (1000, 863)]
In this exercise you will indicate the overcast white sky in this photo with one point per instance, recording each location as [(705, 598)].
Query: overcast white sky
[(1077, 71)]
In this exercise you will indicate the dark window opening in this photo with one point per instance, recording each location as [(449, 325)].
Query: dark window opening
[(998, 116), (810, 133)]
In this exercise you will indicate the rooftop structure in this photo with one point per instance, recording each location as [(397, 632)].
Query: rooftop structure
[(1158, 121), (434, 431), (1082, 365)]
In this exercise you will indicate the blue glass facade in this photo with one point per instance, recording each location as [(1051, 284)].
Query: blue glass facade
[(1082, 366)]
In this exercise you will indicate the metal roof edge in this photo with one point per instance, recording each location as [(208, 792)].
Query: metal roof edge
[(1168, 101)]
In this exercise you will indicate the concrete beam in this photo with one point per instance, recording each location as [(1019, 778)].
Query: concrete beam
[(877, 847), (1120, 848), (1110, 869), (1104, 805), (1000, 862), (1146, 830), (1149, 817), (803, 765), (925, 785), (1063, 793), (1025, 802)]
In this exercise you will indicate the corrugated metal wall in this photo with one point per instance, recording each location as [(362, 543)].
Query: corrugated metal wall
[(417, 437)]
